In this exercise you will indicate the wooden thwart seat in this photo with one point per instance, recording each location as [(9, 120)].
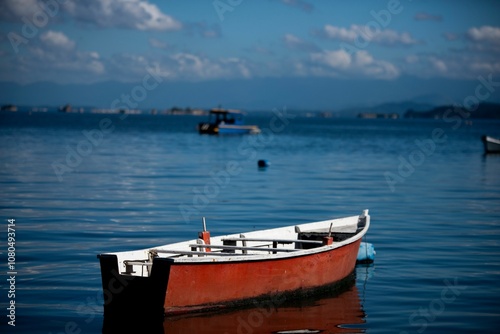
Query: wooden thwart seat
[(129, 266), (298, 242), (345, 228), (137, 263), (229, 248), (181, 252), (226, 247), (279, 241)]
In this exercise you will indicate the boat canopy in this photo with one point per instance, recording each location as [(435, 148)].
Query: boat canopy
[(226, 111)]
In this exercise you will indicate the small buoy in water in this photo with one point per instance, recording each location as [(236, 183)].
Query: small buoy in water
[(366, 253), (263, 163)]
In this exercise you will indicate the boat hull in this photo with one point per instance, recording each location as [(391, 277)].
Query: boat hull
[(193, 287), (220, 284), (227, 129)]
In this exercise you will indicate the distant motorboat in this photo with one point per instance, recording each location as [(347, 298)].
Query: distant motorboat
[(491, 145), (224, 121)]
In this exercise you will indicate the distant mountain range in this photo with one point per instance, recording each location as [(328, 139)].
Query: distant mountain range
[(483, 110), (386, 108), (341, 97), (412, 109), (407, 109)]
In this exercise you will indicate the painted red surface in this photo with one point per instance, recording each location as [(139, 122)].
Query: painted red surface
[(270, 316), (194, 286)]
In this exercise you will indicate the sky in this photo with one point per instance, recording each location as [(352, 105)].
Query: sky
[(69, 42)]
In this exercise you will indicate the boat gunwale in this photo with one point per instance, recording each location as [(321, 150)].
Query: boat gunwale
[(268, 257), (242, 258)]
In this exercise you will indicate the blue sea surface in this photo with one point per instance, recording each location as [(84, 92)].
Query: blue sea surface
[(81, 184)]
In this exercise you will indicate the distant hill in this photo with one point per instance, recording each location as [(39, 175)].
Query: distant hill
[(484, 110), (386, 108), (434, 100)]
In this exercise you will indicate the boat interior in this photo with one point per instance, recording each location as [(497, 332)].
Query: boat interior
[(278, 242)]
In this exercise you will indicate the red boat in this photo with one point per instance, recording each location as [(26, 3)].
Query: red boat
[(213, 273)]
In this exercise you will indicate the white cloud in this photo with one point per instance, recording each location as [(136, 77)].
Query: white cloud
[(412, 59), (479, 56), (486, 67), (53, 56), (339, 59), (57, 40), (293, 42), (185, 66), (95, 66), (16, 9), (340, 33), (181, 66), (127, 67), (462, 65), (339, 63), (158, 44), (133, 14), (386, 37), (292, 39), (195, 67), (484, 33), (363, 58), (438, 64)]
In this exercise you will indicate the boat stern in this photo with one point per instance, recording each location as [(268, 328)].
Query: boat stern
[(127, 294)]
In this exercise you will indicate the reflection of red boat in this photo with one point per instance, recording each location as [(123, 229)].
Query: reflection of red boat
[(332, 311), (325, 315), (233, 270)]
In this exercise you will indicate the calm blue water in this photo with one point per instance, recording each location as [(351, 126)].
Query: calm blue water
[(149, 179)]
